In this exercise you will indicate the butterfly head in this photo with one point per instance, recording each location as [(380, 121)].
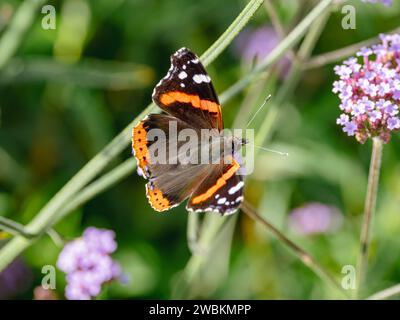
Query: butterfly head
[(233, 144)]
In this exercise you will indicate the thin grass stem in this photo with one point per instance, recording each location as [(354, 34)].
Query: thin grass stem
[(15, 32), (386, 293), (304, 257), (324, 59)]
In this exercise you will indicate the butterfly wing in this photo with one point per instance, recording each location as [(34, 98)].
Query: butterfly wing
[(188, 86), (169, 183), (221, 191)]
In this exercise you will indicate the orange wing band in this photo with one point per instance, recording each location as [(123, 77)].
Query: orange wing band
[(194, 100), (156, 199), (139, 146), (218, 185)]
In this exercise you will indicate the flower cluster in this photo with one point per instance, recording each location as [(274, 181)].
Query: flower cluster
[(88, 264), (385, 2), (315, 218), (370, 91)]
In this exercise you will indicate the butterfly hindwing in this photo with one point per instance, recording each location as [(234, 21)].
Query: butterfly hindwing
[(188, 86), (221, 191), (169, 183)]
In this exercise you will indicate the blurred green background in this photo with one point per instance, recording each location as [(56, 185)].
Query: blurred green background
[(69, 91)]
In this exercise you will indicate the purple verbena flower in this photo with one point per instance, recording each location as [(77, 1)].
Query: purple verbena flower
[(350, 128), (369, 91), (88, 264), (254, 44), (315, 218), (393, 123), (343, 119), (385, 2)]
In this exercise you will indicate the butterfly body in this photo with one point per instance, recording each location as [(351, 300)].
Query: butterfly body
[(185, 153)]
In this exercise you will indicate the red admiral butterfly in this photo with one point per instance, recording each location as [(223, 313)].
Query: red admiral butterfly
[(188, 97)]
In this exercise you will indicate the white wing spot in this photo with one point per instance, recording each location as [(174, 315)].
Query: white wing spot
[(177, 53), (221, 201), (236, 188), (195, 60), (199, 78), (217, 196), (182, 75), (184, 67), (182, 85), (239, 199)]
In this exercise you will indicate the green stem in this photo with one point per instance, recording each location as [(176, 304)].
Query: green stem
[(92, 73), (18, 229), (56, 237), (292, 80), (95, 188), (102, 159), (226, 38), (277, 24), (213, 224), (304, 257), (289, 42), (192, 233), (14, 228), (369, 209), (342, 53), (274, 17), (386, 293), (19, 25)]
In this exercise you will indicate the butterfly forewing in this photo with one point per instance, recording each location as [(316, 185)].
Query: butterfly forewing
[(188, 86)]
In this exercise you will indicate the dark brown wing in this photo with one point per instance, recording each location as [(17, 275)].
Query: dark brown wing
[(187, 93)]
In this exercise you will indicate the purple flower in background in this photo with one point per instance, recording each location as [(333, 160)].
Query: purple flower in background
[(88, 264), (385, 2), (15, 279), (315, 218), (255, 44), (369, 91)]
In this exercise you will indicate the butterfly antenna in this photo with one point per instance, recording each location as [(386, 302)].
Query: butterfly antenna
[(259, 109), (286, 154)]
